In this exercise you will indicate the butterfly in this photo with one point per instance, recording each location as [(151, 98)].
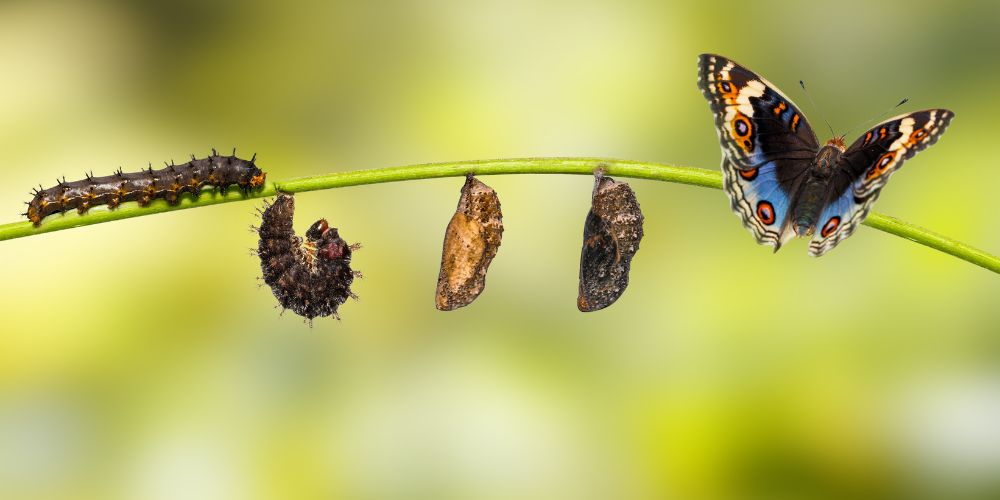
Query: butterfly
[(780, 181)]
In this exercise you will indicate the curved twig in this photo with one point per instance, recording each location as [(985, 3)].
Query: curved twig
[(584, 166)]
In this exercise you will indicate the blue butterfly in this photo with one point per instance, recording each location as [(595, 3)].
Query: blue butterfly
[(780, 181)]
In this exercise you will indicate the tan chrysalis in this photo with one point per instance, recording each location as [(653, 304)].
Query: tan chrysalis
[(470, 243)]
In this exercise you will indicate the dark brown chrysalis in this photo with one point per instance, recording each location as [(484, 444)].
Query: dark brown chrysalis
[(313, 279), (168, 183), (470, 243), (611, 237)]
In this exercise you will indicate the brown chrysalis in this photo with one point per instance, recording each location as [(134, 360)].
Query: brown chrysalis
[(313, 279), (611, 237), (168, 183), (470, 243)]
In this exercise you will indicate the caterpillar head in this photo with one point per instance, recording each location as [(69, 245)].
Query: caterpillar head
[(329, 245)]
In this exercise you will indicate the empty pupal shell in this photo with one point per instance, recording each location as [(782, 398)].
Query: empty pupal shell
[(611, 237), (470, 243)]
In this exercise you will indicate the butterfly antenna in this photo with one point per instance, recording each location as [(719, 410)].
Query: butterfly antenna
[(880, 115), (811, 101)]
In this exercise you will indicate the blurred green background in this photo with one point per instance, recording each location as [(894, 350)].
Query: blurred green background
[(138, 359)]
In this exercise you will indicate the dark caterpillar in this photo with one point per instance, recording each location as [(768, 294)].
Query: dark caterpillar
[(312, 280), (168, 183)]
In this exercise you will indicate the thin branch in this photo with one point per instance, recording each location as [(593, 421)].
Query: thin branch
[(582, 166)]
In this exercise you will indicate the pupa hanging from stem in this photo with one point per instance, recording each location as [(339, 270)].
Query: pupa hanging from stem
[(611, 236), (470, 243)]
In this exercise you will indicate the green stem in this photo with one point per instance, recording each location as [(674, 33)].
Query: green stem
[(583, 166)]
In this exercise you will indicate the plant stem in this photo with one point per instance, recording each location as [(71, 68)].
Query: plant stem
[(582, 166)]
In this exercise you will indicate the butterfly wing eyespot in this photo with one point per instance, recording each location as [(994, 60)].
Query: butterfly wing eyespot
[(749, 174), (880, 166), (765, 212), (312, 279), (143, 186), (742, 131), (883, 162), (830, 226)]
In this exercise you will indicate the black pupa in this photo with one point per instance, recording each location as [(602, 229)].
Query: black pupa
[(611, 236)]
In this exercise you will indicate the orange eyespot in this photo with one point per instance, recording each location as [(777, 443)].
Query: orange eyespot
[(727, 90), (741, 127), (916, 137), (780, 108), (880, 166), (868, 137), (765, 212), (885, 160), (795, 122), (748, 174), (830, 226)]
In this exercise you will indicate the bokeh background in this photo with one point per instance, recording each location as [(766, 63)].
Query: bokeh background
[(138, 359)]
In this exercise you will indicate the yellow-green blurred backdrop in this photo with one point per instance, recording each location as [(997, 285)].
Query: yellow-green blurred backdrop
[(138, 359)]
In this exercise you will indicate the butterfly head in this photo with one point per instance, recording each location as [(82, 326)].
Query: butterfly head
[(837, 142)]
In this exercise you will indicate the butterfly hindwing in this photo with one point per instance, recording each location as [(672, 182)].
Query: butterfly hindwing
[(760, 201), (865, 167), (838, 220)]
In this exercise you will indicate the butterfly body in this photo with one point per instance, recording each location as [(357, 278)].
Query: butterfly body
[(780, 181), (815, 191)]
